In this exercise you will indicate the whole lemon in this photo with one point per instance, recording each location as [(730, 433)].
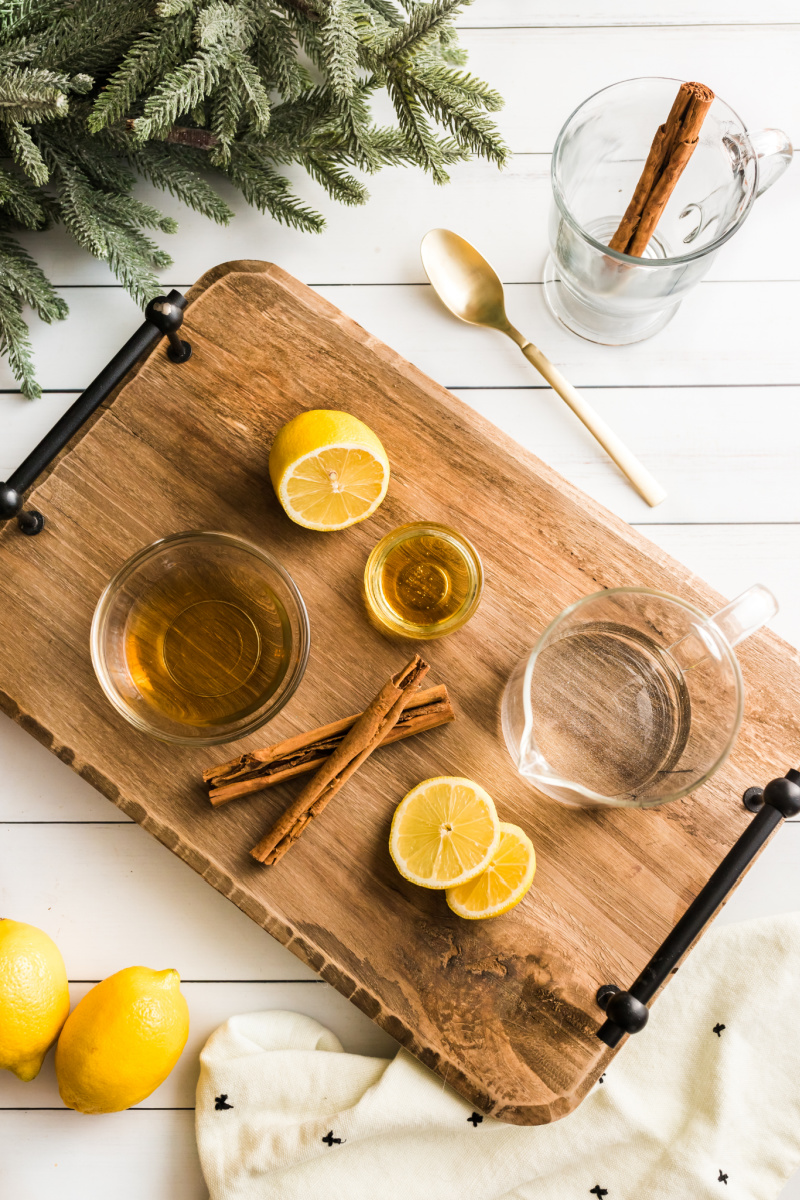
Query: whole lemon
[(34, 997), (122, 1040)]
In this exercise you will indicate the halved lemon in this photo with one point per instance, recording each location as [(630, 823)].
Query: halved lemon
[(444, 832), (505, 881), (329, 469)]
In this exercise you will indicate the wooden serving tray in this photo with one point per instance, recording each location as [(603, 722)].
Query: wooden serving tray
[(503, 1010)]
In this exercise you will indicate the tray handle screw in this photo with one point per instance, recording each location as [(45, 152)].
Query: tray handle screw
[(628, 1013), (168, 318), (753, 799), (30, 522)]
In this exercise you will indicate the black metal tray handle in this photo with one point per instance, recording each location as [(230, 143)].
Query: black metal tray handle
[(627, 1012), (164, 315)]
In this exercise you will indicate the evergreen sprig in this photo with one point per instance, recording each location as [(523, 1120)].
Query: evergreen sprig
[(23, 282), (97, 93)]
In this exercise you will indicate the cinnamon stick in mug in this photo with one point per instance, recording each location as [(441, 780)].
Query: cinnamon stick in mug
[(365, 736), (673, 146)]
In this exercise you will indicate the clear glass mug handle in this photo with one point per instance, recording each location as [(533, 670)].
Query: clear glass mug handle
[(774, 153), (745, 614), (736, 621)]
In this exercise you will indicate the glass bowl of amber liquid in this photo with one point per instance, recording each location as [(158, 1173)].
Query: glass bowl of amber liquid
[(423, 581), (200, 638)]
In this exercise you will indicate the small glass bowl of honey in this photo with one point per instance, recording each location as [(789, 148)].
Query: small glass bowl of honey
[(423, 581), (200, 638)]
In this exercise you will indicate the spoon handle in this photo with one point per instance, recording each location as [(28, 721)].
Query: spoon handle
[(647, 487)]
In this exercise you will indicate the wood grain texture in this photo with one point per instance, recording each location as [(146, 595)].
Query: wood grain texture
[(701, 442), (503, 1011)]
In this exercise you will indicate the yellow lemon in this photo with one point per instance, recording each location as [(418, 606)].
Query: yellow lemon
[(122, 1040), (34, 997), (329, 469), (444, 832), (504, 882)]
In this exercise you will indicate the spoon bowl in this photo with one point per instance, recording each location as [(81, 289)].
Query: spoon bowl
[(463, 279)]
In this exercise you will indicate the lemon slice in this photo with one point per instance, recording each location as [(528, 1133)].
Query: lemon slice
[(329, 469), (504, 882), (444, 832)]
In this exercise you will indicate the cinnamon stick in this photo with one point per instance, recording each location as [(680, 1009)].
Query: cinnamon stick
[(673, 146), (365, 736), (261, 769)]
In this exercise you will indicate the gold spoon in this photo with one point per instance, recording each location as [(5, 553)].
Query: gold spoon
[(471, 289)]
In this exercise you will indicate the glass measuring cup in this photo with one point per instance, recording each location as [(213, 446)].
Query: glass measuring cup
[(614, 298), (631, 697)]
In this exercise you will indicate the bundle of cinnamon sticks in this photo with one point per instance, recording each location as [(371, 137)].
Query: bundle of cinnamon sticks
[(334, 752), (260, 769), (673, 146)]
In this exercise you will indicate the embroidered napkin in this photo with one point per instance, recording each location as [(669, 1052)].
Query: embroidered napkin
[(704, 1103)]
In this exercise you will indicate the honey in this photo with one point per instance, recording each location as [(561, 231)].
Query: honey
[(208, 643), (423, 581)]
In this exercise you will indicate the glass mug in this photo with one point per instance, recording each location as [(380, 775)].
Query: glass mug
[(631, 697), (614, 298)]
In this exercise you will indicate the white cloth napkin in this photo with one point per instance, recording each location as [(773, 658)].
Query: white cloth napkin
[(705, 1102)]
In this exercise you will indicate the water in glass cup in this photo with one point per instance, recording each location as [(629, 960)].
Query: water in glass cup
[(630, 697), (611, 708)]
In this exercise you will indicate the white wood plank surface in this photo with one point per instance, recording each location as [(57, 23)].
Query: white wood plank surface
[(209, 1005), (541, 13), (724, 454), (701, 443), (723, 334), (711, 405), (733, 557), (154, 909), (136, 1155), (359, 245), (544, 73)]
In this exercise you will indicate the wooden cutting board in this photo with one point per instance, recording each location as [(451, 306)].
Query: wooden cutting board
[(503, 1010)]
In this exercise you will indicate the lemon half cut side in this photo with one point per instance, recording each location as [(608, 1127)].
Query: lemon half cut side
[(329, 470), (444, 832)]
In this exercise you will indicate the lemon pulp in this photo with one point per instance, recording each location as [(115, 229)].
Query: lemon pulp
[(329, 469), (503, 883), (444, 831), (335, 487)]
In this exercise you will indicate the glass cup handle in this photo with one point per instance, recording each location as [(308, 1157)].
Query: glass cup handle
[(736, 621), (745, 614), (774, 153)]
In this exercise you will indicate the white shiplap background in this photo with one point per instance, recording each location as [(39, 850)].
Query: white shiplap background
[(710, 405)]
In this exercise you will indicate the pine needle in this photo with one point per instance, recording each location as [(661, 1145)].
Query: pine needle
[(95, 94)]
